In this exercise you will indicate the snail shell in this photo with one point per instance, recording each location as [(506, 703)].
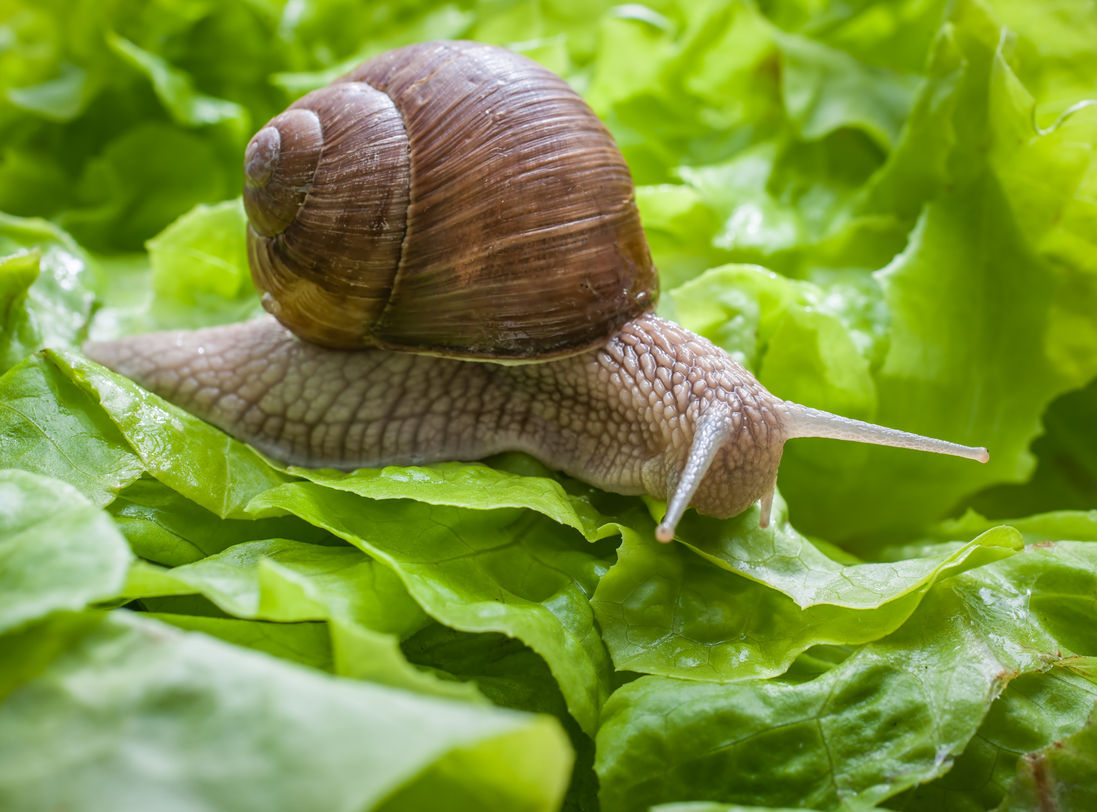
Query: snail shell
[(451, 198)]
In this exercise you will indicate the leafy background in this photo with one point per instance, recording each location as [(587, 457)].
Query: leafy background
[(884, 209)]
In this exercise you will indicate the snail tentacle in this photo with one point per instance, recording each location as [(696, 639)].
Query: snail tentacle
[(714, 426)]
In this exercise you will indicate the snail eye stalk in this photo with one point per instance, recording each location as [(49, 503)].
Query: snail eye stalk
[(803, 421)]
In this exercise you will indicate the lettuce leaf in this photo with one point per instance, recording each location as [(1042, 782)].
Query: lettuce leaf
[(893, 714), (366, 608), (1059, 774), (327, 743), (1034, 709), (666, 611), (45, 291), (57, 551)]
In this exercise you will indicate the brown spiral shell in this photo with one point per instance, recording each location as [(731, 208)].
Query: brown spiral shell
[(452, 198)]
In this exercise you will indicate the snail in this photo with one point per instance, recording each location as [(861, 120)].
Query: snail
[(448, 243)]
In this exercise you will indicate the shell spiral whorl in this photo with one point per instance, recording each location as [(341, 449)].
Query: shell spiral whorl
[(279, 166), (326, 193)]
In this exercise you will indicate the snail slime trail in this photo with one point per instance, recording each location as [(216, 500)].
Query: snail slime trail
[(440, 207)]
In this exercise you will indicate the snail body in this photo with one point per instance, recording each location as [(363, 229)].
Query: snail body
[(321, 407), (503, 227)]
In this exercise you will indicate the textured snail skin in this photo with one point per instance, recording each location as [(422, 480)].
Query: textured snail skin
[(621, 417)]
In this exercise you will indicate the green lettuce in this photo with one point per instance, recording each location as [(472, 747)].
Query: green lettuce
[(893, 714), (147, 678), (58, 551), (883, 209)]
